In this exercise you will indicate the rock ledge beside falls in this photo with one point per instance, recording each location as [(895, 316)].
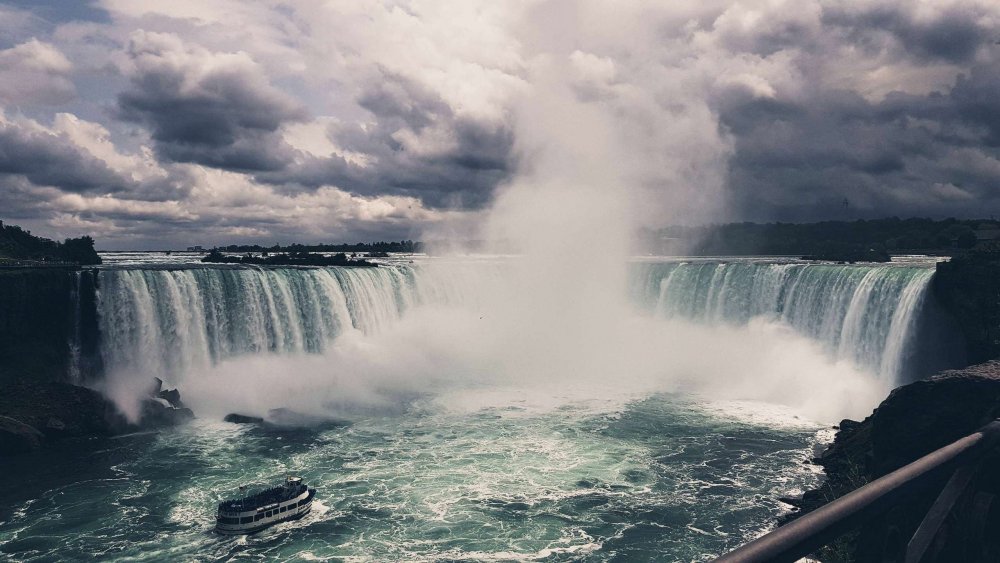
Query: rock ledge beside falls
[(911, 422), (34, 415)]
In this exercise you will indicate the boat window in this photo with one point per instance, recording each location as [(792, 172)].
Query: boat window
[(246, 520), (258, 517), (226, 520), (284, 508), (303, 501)]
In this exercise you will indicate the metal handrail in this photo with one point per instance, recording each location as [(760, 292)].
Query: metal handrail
[(808, 533)]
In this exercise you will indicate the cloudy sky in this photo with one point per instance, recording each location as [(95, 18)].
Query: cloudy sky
[(154, 124)]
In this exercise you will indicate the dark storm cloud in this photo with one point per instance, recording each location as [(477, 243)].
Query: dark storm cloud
[(20, 199), (206, 108), (51, 160), (954, 35), (907, 154), (458, 160), (397, 101), (977, 100)]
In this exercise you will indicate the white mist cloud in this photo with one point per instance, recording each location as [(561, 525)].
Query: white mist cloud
[(471, 359)]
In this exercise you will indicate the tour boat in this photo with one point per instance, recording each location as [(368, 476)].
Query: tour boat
[(254, 512)]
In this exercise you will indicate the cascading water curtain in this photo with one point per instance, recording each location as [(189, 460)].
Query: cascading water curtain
[(160, 322), (859, 313)]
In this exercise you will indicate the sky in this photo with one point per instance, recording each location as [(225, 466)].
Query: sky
[(151, 124)]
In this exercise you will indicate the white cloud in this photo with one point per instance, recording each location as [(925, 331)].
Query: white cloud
[(96, 139), (34, 73)]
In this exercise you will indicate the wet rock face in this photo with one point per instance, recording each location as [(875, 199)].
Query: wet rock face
[(41, 311), (968, 287), (35, 323), (913, 421)]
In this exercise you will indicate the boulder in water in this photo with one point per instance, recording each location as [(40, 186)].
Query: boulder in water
[(163, 407), (172, 396), (237, 418)]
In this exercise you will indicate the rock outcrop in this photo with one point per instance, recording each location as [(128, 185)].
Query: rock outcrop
[(163, 407), (237, 418), (282, 418), (913, 421), (35, 415)]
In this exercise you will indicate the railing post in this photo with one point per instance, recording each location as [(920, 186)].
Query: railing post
[(931, 523)]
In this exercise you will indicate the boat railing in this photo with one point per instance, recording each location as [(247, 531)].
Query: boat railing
[(257, 499), (818, 528)]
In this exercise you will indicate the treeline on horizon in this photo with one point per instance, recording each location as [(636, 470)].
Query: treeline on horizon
[(408, 246), (892, 235), (17, 244), (825, 238)]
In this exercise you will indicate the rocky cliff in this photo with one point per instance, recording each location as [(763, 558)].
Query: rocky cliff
[(913, 421), (968, 287)]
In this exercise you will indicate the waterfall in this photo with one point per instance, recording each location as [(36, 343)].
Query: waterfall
[(167, 321), (860, 313), (164, 322)]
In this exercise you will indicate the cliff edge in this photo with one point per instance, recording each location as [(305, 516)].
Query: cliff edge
[(913, 421)]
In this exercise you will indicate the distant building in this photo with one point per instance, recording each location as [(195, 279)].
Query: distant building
[(195, 249)]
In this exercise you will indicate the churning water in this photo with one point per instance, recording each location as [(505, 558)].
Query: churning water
[(453, 434), (657, 479)]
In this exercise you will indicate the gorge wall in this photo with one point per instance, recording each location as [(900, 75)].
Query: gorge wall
[(48, 324), (968, 288)]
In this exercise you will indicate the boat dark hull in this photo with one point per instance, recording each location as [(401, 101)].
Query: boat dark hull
[(263, 527)]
